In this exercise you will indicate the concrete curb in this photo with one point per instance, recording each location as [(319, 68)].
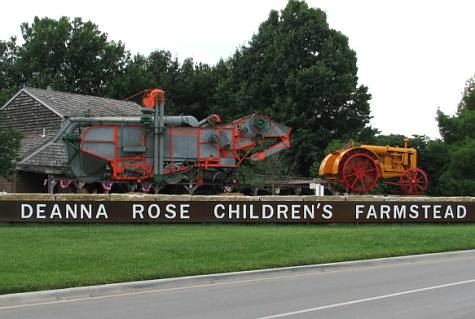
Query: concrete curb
[(229, 197), (59, 295)]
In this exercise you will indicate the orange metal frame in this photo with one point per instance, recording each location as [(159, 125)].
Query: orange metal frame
[(238, 151)]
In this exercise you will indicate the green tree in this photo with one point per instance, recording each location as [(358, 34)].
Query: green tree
[(71, 56), (8, 75), (135, 78), (194, 89), (458, 134), (432, 159), (301, 72), (9, 148), (189, 86)]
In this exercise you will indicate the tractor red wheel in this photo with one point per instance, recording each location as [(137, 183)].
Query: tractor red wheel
[(414, 181), (360, 173)]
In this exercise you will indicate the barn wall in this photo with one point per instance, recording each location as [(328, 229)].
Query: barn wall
[(32, 119), (29, 115), (7, 185), (38, 124)]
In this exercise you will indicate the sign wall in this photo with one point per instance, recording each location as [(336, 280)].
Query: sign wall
[(228, 211)]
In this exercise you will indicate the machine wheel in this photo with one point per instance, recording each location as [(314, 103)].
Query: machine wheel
[(231, 184), (175, 177), (414, 181), (227, 182), (359, 173), (218, 182), (192, 180)]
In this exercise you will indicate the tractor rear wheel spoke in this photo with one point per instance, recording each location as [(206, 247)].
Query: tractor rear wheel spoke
[(414, 181), (359, 173)]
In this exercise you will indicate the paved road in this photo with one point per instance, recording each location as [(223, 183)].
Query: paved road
[(442, 287)]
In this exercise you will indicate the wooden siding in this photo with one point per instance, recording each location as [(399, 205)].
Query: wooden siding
[(30, 116), (38, 125), (7, 185)]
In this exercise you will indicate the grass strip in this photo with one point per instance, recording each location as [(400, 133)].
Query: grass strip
[(39, 257)]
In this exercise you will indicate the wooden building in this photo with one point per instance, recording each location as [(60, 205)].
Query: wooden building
[(38, 114)]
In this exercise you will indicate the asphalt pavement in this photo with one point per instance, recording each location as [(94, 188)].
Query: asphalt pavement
[(436, 287)]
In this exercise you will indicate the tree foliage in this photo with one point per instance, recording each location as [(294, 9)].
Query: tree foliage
[(8, 75), (458, 134), (302, 73), (10, 140), (67, 55), (189, 86)]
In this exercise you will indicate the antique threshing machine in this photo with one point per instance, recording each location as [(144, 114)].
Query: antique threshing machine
[(151, 151), (358, 169)]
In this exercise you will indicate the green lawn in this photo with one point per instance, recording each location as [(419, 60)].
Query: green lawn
[(37, 257)]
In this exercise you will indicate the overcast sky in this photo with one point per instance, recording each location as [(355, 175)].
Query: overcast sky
[(414, 56)]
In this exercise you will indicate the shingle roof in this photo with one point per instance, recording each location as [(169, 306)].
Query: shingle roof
[(52, 156), (70, 104), (44, 153), (31, 142)]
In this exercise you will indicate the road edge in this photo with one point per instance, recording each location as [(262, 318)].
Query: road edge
[(56, 295)]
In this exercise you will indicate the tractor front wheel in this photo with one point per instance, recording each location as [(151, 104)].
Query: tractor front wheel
[(359, 173), (414, 181)]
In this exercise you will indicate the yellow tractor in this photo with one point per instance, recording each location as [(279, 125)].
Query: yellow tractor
[(358, 168)]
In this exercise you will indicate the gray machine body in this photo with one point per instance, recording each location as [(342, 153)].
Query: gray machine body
[(105, 140), (152, 146)]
